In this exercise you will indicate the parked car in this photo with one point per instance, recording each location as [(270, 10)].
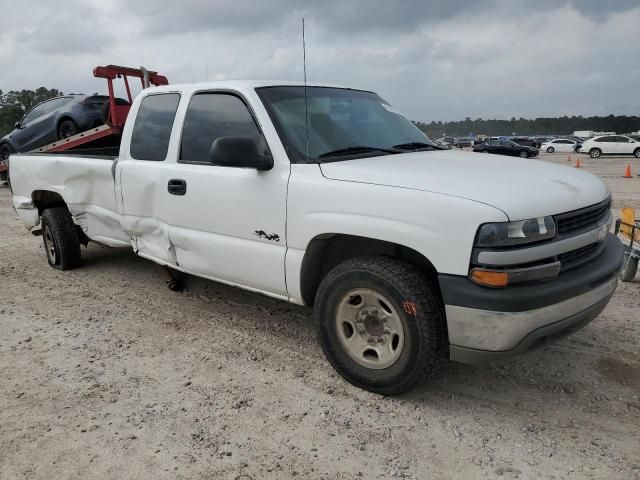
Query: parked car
[(446, 140), (560, 145), (529, 142), (611, 145), (54, 119), (540, 140), (463, 142), (408, 253), (506, 147)]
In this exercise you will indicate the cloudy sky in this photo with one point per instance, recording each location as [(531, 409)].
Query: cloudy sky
[(432, 59)]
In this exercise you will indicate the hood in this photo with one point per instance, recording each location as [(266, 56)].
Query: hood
[(521, 188)]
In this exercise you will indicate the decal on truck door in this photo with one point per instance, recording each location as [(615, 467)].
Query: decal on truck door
[(267, 236)]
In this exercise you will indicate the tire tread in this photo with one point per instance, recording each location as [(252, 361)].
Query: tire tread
[(65, 235)]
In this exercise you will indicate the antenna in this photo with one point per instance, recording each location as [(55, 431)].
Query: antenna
[(306, 105)]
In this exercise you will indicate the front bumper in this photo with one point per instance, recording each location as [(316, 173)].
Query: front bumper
[(485, 324)]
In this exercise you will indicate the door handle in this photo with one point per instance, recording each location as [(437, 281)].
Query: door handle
[(177, 186)]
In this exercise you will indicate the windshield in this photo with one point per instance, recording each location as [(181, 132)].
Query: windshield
[(343, 124)]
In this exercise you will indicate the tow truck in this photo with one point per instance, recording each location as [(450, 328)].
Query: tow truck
[(114, 112), (104, 138)]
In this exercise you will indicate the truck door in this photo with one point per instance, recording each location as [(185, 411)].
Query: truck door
[(225, 223), (140, 184)]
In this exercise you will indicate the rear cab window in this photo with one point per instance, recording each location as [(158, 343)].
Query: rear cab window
[(153, 125)]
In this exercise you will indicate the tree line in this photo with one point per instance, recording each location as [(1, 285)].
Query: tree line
[(538, 126), (14, 105)]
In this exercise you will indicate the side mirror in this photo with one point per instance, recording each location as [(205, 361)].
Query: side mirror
[(17, 125), (241, 152)]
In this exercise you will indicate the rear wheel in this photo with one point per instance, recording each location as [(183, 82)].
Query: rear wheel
[(636, 153), (380, 323), (550, 149), (629, 268), (595, 153), (523, 154), (67, 128), (60, 236)]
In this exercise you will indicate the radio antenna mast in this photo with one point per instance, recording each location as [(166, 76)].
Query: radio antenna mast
[(306, 107)]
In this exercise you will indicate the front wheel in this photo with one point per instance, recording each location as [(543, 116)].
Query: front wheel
[(5, 151), (550, 150), (524, 154), (595, 153), (61, 242), (380, 323)]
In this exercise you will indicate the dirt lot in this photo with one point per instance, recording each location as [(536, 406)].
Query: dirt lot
[(105, 373)]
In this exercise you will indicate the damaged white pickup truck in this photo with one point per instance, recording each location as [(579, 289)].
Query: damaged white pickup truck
[(328, 197)]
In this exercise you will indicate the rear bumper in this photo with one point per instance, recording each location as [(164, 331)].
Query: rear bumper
[(487, 324)]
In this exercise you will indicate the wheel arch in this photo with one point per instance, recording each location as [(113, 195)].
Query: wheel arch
[(326, 251), (44, 199)]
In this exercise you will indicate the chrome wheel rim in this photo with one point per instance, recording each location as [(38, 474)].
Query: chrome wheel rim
[(50, 245), (523, 154), (595, 154), (369, 328)]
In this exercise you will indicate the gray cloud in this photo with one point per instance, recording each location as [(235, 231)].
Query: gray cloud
[(435, 60)]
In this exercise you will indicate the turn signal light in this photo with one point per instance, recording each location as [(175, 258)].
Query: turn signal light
[(489, 278)]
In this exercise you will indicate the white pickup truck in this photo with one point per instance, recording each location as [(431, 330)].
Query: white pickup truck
[(328, 197)]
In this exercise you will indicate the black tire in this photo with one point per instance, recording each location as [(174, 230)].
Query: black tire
[(415, 300), (60, 236), (629, 268), (636, 153), (5, 151), (550, 149), (67, 128), (523, 154), (595, 153)]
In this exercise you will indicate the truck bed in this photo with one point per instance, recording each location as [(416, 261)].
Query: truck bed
[(84, 182)]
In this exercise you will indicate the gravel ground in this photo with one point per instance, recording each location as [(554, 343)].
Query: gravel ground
[(105, 373)]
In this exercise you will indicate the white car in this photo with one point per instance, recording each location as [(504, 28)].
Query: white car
[(560, 145), (611, 145), (408, 253)]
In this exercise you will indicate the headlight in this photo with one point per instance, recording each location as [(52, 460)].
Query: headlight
[(506, 234)]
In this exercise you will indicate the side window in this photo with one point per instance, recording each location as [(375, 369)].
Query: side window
[(33, 114), (52, 105), (606, 139), (152, 130), (210, 116), (622, 139)]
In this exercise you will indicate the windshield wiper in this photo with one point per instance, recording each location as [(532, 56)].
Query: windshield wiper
[(357, 149), (416, 146)]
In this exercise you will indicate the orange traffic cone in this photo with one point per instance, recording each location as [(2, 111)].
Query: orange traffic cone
[(627, 172), (568, 158), (578, 163)]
